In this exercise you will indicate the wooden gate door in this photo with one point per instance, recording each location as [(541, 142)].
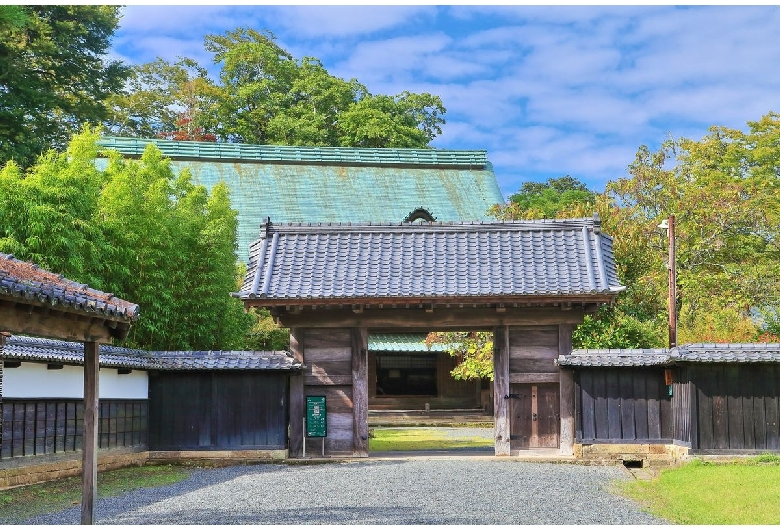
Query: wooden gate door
[(534, 416)]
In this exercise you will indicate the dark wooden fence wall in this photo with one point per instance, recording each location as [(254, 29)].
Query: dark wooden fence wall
[(622, 405), (218, 410), (48, 426), (682, 406), (737, 406)]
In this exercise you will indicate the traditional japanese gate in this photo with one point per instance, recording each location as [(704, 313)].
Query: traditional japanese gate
[(529, 282)]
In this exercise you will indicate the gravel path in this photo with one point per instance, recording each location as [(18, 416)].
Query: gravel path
[(413, 491)]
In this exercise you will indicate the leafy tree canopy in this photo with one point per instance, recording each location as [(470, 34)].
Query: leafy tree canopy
[(53, 76), (267, 96), (724, 191), (549, 200), (136, 230)]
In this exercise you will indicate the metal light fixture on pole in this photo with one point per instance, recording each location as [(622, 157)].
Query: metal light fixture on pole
[(668, 225)]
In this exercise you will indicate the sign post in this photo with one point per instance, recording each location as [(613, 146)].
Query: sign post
[(316, 421)]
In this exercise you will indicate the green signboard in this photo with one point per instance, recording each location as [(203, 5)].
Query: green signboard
[(316, 417)]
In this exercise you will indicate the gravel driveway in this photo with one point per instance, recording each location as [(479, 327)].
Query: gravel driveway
[(412, 491)]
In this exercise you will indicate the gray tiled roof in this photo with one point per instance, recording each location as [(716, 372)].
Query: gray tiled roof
[(728, 353), (226, 360), (26, 282), (433, 260), (35, 349), (689, 353), (622, 357)]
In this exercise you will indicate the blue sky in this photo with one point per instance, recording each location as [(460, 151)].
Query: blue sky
[(546, 90)]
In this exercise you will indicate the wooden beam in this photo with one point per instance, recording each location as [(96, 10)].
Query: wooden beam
[(89, 451), (501, 389), (327, 380), (33, 320), (296, 396), (462, 319), (360, 392), (529, 378), (567, 393), (473, 301)]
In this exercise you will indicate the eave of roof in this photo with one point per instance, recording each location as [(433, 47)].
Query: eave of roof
[(25, 282)]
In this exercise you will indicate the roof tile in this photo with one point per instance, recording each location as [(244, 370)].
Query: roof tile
[(523, 258)]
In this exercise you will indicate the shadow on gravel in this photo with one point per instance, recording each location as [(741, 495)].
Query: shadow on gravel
[(398, 515)]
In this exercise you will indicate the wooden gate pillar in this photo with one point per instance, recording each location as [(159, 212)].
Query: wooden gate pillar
[(567, 393), (501, 389), (296, 396), (89, 457), (360, 392)]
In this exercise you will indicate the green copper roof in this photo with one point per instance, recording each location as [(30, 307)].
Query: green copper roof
[(333, 185), (402, 342)]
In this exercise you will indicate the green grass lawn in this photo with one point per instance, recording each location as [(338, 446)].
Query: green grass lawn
[(421, 439), (747, 492), (18, 504)]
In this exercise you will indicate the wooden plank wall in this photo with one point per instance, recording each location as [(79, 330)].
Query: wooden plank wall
[(622, 404), (327, 356), (532, 352), (48, 426), (218, 410), (682, 406), (737, 406)]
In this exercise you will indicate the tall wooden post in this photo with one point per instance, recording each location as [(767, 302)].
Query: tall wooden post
[(567, 392), (360, 392), (296, 396), (501, 389), (672, 285), (90, 446)]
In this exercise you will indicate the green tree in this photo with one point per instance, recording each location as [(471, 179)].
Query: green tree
[(136, 230), (47, 215), (548, 200), (267, 96), (474, 351), (174, 254), (53, 75), (167, 100), (723, 190)]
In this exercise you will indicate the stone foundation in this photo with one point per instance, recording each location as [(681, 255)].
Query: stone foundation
[(635, 455), (23, 471), (217, 458)]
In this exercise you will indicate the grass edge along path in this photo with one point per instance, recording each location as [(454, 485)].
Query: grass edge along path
[(421, 439), (738, 492), (24, 502)]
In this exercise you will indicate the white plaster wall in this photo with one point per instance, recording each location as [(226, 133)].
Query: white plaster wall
[(34, 380)]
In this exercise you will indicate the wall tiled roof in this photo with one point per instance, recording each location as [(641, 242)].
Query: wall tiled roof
[(689, 353), (35, 349), (616, 357), (728, 353), (402, 342), (26, 282), (431, 260), (332, 184), (226, 360)]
